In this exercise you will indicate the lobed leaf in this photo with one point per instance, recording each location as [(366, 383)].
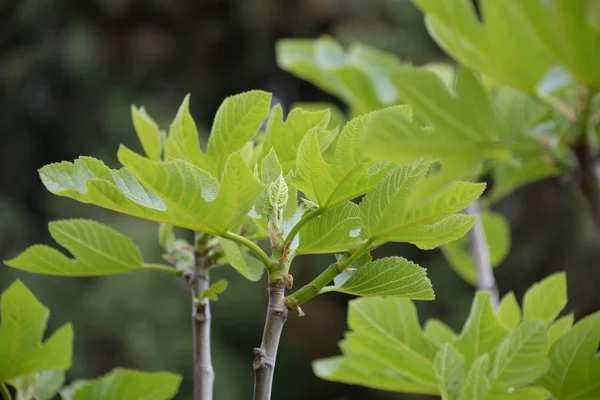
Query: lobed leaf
[(546, 299), (509, 312), (438, 332), (148, 133), (23, 323), (477, 384), (449, 369), (97, 248)]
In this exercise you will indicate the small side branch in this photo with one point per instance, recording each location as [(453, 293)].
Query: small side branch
[(204, 375), (588, 157), (265, 355), (481, 255)]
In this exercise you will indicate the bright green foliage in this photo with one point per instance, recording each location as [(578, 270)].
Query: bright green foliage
[(337, 119), (335, 230), (244, 263), (546, 299), (505, 47), (149, 134), (123, 384), (392, 276), (214, 290), (390, 212), (23, 323), (40, 386), (348, 175), (497, 234), (97, 248), (495, 357), (574, 366), (360, 77)]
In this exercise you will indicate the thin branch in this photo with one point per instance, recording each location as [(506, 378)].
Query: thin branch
[(586, 151), (250, 245), (481, 255), (163, 268), (204, 375), (4, 392), (313, 288), (265, 355)]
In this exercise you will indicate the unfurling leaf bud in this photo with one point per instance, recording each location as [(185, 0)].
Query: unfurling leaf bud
[(278, 193)]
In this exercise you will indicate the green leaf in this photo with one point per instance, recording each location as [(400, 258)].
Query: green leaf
[(333, 231), (391, 276), (39, 386), (349, 175), (574, 372), (546, 299), (123, 384), (559, 328), (214, 290), (148, 133), (183, 142), (23, 323), (97, 248), (390, 211), (238, 257), (504, 47), (337, 118), (476, 384), (438, 332), (482, 332), (521, 358), (509, 312), (449, 369), (283, 137), (194, 198), (497, 234)]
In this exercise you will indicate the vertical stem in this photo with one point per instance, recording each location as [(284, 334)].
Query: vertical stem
[(4, 392), (481, 255), (587, 155), (265, 355), (204, 375)]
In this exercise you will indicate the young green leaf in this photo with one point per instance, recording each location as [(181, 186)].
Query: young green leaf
[(497, 234), (23, 324), (559, 328), (124, 384), (449, 367), (192, 195), (438, 332), (482, 332), (574, 366), (335, 230), (503, 47), (391, 276), (476, 384), (337, 118), (546, 299), (183, 142), (97, 248), (148, 132), (521, 358), (238, 257), (39, 386), (214, 290), (349, 175), (391, 213), (509, 312)]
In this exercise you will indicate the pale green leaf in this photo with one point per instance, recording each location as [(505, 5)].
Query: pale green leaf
[(193, 197), (391, 276), (97, 248), (390, 211), (559, 328), (183, 142), (521, 358), (476, 384), (525, 393), (449, 367), (238, 257), (504, 47), (123, 384), (214, 290), (348, 175), (497, 235), (23, 323), (148, 133), (283, 137), (509, 312), (337, 118), (546, 299), (438, 332), (482, 332), (39, 386), (335, 230), (574, 372)]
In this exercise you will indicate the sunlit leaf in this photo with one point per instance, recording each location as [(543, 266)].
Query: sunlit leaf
[(438, 332), (546, 299), (509, 312), (39, 386), (449, 369), (476, 384), (148, 132)]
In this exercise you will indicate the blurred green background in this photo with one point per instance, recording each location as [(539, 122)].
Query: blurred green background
[(69, 71)]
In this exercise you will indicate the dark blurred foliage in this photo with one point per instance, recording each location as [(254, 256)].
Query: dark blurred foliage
[(69, 71)]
